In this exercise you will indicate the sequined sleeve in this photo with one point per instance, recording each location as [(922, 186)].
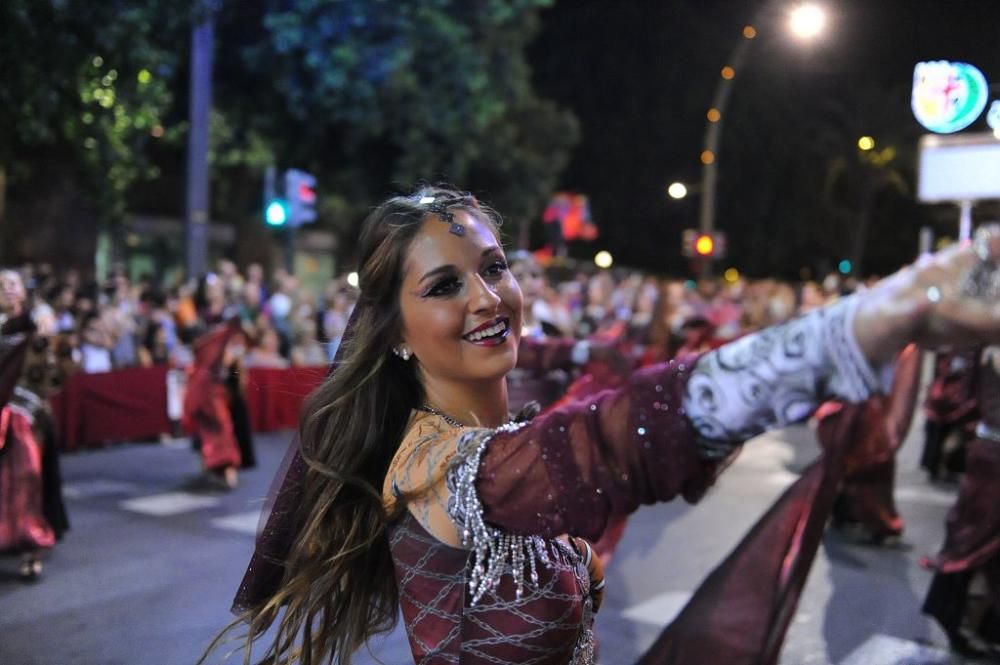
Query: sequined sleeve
[(779, 376), (575, 466)]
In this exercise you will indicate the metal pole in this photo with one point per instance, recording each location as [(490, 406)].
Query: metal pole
[(965, 221), (197, 209), (713, 138), (290, 249)]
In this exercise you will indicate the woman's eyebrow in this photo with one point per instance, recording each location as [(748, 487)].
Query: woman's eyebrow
[(450, 268), (447, 268)]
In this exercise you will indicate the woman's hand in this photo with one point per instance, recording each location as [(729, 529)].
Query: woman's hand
[(950, 299)]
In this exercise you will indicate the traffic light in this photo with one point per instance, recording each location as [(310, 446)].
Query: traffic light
[(703, 245), (276, 212), (300, 191)]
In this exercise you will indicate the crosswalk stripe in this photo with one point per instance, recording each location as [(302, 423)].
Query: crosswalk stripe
[(879, 649), (658, 610), (93, 488), (241, 522), (169, 503)]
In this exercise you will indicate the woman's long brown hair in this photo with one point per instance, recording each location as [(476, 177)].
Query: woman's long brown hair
[(339, 586)]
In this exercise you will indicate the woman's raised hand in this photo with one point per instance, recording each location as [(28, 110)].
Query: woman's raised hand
[(950, 299)]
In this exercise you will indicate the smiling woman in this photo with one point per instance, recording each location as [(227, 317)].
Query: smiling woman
[(461, 317), (412, 491)]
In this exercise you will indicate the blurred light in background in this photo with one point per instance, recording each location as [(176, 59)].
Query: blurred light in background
[(807, 21), (866, 143), (728, 72), (352, 279), (704, 245), (749, 31), (677, 190), (713, 115), (603, 259), (707, 156), (732, 275), (844, 267)]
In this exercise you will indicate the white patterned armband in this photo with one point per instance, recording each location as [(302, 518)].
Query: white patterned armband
[(495, 552), (778, 376)]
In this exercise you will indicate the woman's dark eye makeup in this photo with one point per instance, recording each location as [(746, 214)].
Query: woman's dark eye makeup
[(451, 284)]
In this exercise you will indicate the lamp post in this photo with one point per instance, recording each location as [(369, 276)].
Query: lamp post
[(806, 21)]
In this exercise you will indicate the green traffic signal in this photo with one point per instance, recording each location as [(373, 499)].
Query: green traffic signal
[(276, 213)]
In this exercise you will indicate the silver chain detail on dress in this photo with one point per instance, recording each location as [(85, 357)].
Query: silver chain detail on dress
[(427, 408)]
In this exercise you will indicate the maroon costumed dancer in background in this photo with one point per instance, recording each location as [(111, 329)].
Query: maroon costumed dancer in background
[(951, 412), (866, 499), (972, 545), (206, 404)]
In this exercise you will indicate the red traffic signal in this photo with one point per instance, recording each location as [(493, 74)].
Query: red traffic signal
[(306, 193), (300, 189)]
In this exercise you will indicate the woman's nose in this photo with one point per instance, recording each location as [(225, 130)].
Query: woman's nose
[(483, 297)]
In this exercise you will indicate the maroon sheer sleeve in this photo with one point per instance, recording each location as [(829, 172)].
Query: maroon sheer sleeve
[(576, 466)]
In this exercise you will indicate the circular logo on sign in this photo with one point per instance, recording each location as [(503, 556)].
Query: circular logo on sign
[(947, 96)]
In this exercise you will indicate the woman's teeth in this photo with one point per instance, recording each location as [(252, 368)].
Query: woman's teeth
[(489, 332)]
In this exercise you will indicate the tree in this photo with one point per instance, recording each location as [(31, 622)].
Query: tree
[(77, 116)]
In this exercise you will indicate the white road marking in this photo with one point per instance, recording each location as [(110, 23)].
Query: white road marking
[(100, 487), (926, 495), (887, 650), (658, 610), (170, 503), (779, 478), (241, 522)]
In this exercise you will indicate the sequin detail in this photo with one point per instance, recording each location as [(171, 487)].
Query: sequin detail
[(496, 552)]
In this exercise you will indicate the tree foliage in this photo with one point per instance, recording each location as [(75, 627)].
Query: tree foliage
[(379, 95), (85, 89)]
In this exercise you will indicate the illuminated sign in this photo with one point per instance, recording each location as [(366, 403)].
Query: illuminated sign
[(993, 117), (948, 96)]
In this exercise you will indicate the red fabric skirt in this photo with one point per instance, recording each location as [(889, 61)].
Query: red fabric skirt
[(23, 527), (206, 415), (973, 535)]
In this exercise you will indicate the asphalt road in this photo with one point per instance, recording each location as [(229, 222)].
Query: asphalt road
[(146, 574)]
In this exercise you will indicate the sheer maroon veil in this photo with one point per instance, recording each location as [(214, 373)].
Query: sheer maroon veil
[(281, 516)]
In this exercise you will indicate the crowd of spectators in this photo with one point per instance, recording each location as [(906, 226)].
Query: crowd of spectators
[(92, 327)]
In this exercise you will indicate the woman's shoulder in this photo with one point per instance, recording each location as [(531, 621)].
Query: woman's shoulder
[(427, 448)]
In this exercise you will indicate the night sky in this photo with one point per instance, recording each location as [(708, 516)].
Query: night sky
[(640, 74)]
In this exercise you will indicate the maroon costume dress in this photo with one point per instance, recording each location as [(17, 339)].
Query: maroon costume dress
[(32, 515), (972, 544), (866, 496), (206, 401), (516, 593)]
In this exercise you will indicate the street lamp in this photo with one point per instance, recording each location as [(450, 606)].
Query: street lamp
[(807, 21), (677, 190)]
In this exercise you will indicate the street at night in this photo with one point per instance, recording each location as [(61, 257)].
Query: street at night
[(611, 332), (156, 552)]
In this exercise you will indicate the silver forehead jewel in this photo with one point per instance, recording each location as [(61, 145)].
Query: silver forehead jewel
[(446, 215)]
